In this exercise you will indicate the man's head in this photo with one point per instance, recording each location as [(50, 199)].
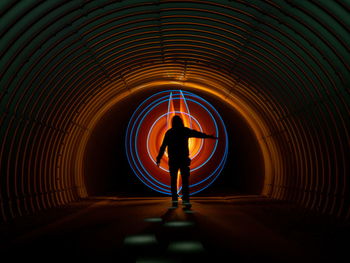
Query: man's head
[(177, 122)]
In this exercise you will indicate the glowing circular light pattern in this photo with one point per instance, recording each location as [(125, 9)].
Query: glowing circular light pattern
[(146, 130)]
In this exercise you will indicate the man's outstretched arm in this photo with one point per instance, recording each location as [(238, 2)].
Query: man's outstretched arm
[(197, 134), (162, 149)]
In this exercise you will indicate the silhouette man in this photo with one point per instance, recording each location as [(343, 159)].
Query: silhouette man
[(176, 139)]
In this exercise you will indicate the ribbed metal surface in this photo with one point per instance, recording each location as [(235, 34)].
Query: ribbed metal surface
[(283, 64)]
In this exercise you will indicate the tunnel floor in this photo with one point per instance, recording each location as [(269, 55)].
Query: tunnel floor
[(215, 229)]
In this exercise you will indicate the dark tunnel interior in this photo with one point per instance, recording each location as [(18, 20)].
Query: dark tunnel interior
[(277, 70), (74, 72)]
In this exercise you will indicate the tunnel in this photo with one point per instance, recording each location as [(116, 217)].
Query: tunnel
[(74, 72)]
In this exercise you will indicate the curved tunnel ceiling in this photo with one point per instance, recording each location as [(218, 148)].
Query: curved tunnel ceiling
[(283, 64)]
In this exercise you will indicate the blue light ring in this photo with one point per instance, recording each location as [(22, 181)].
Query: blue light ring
[(136, 150), (165, 101), (226, 147), (140, 164)]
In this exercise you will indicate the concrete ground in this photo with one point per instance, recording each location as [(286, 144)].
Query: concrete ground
[(215, 229)]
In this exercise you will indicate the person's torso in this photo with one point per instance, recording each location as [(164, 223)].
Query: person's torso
[(178, 142)]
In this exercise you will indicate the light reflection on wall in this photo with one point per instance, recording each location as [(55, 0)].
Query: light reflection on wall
[(146, 131)]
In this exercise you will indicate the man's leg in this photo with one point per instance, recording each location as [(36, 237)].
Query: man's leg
[(173, 177), (185, 175)]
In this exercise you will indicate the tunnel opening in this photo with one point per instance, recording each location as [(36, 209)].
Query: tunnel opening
[(107, 171)]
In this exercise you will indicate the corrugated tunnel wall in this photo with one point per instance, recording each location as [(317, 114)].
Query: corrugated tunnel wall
[(284, 65)]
